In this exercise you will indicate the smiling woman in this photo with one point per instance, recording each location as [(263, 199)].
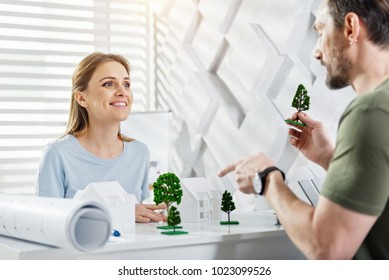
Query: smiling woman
[(93, 149), (99, 82), (41, 42)]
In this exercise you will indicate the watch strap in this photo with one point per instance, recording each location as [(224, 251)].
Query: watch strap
[(264, 174)]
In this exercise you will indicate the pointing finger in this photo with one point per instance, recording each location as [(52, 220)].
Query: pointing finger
[(226, 170)]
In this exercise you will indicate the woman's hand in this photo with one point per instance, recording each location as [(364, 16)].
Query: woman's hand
[(145, 213)]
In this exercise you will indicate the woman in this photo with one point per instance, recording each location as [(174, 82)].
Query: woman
[(93, 149)]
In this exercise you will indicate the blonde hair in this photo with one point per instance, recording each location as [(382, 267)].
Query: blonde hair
[(78, 117)]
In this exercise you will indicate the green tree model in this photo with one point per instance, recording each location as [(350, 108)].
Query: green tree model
[(301, 101), (167, 189), (228, 206), (173, 218)]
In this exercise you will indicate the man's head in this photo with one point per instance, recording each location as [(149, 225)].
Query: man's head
[(339, 24), (373, 13)]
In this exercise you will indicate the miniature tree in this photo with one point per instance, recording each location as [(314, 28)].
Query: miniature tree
[(167, 189), (228, 206), (301, 101), (173, 219)]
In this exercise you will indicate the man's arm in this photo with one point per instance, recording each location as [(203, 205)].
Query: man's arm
[(320, 233), (328, 231)]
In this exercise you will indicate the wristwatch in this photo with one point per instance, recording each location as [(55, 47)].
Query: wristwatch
[(260, 179)]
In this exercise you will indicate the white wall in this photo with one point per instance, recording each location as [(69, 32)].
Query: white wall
[(228, 70)]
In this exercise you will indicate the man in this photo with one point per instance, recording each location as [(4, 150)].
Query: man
[(351, 219)]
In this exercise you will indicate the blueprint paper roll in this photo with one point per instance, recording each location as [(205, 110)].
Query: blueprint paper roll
[(76, 224)]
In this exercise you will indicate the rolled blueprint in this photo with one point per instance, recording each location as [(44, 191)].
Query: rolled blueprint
[(76, 224)]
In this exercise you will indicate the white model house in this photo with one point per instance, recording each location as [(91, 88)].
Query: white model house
[(120, 204), (200, 203)]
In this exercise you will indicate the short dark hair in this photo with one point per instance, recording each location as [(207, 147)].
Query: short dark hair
[(374, 14)]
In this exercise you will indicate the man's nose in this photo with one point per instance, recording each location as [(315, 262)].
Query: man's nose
[(317, 52)]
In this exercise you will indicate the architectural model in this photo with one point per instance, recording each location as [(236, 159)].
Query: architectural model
[(173, 219), (301, 101), (200, 202), (228, 206), (120, 204), (167, 189)]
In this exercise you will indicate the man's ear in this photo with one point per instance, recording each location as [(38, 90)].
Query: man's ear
[(80, 99), (352, 28)]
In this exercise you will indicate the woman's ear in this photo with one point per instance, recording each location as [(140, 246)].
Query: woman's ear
[(80, 99), (352, 28)]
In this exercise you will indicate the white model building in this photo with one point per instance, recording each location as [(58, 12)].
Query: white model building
[(120, 204), (199, 203)]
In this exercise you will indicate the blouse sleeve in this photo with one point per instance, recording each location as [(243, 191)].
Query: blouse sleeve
[(50, 175)]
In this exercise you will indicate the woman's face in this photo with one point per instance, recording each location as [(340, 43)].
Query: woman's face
[(108, 98)]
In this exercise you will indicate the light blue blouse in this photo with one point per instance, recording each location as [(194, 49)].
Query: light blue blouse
[(66, 167)]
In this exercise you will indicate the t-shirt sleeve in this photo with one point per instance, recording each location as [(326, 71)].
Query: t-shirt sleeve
[(358, 176), (50, 175)]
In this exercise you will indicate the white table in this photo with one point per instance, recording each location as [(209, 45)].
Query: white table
[(256, 237)]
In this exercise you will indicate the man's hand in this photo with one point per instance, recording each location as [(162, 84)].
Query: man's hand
[(145, 213), (245, 170), (312, 140)]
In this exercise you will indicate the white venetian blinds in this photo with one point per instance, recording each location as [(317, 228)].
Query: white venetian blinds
[(41, 41)]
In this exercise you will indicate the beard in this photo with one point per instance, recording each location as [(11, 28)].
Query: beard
[(338, 68)]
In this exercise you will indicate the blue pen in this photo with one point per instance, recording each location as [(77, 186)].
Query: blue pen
[(115, 233)]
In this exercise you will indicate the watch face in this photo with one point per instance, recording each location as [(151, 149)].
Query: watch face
[(257, 184)]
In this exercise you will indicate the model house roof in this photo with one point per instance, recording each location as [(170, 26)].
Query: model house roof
[(196, 187)]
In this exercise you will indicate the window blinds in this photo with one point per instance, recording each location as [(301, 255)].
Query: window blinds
[(41, 41)]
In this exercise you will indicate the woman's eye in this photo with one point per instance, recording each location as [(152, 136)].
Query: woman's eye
[(127, 85), (108, 84)]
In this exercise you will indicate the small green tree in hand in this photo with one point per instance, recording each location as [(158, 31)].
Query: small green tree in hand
[(167, 189), (301, 99), (301, 102), (228, 206)]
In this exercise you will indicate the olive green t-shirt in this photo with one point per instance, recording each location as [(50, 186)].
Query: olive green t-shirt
[(358, 175)]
